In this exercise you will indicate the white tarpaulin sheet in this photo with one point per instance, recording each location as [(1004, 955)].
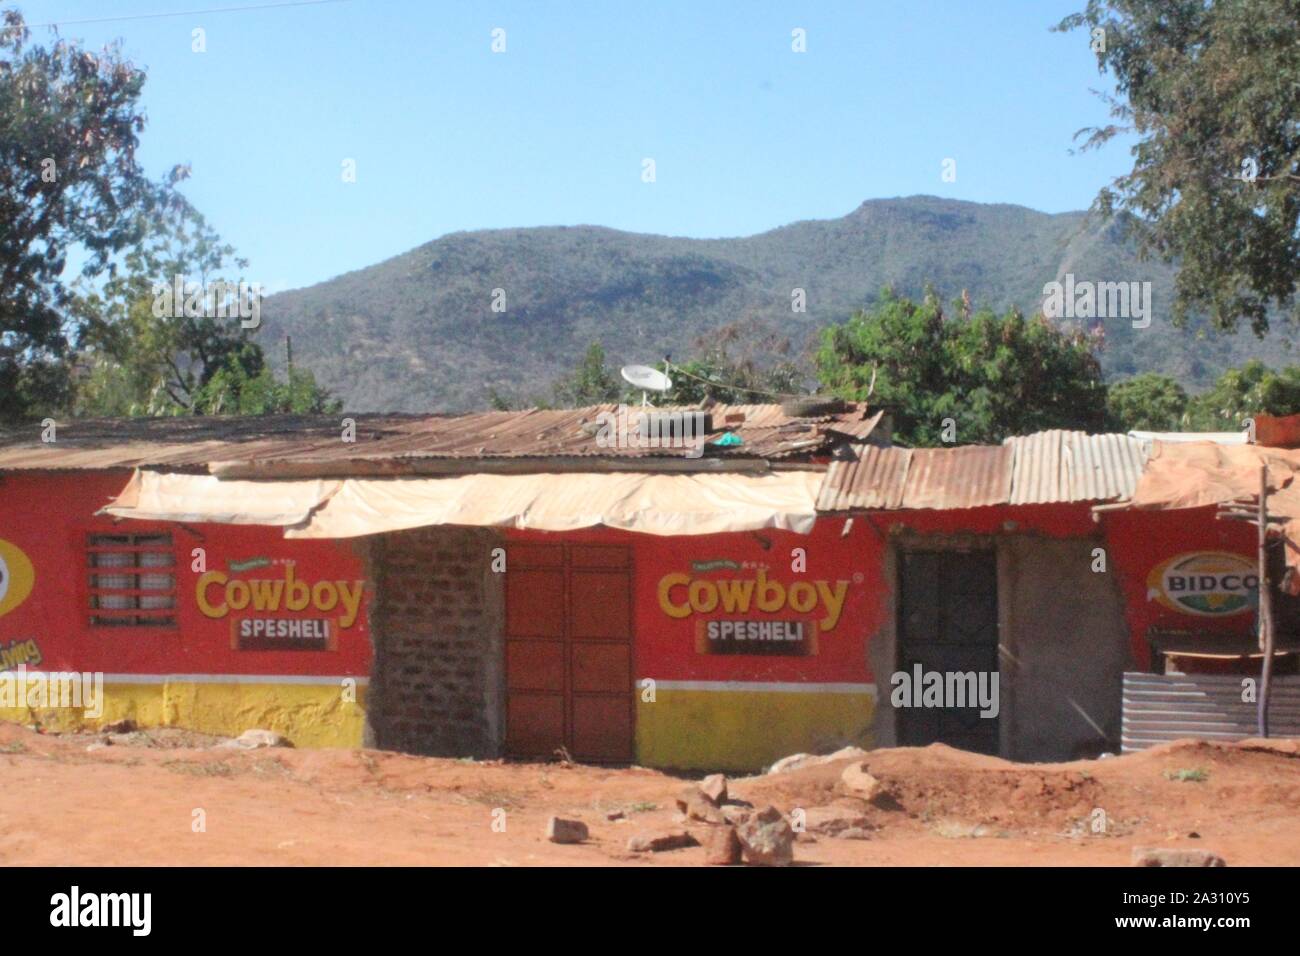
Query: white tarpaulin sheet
[(675, 504), (159, 496)]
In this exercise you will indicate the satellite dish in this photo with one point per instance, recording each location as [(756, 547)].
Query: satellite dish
[(646, 378)]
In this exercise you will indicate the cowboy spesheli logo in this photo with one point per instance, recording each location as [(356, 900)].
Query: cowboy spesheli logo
[(1204, 583), (751, 613)]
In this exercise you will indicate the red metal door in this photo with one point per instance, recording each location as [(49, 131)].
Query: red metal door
[(569, 651)]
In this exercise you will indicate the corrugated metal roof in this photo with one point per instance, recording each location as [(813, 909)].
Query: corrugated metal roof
[(765, 433), (1043, 468), (1056, 466)]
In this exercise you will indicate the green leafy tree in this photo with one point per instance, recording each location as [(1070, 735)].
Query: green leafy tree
[(1242, 392), (1147, 402), (69, 183), (976, 378), (591, 383), (731, 367), (144, 353), (1211, 88)]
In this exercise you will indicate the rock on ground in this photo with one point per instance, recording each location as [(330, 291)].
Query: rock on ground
[(766, 839), (799, 761), (660, 840), (560, 830), (254, 739), (833, 821), (1152, 856), (722, 847), (694, 805), (714, 789)]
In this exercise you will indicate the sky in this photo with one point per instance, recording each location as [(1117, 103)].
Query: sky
[(444, 133)]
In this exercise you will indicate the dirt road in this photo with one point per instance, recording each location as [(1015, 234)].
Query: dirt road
[(140, 802)]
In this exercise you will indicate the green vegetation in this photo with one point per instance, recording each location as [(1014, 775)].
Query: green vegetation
[(1188, 775), (1156, 402), (70, 186), (973, 379), (417, 333), (1212, 91)]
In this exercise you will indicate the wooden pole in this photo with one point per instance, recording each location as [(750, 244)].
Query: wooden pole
[(1265, 604)]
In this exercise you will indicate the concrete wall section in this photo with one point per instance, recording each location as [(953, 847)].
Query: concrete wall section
[(1064, 649)]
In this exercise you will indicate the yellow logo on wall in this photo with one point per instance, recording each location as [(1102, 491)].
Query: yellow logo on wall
[(1204, 583), (16, 577), (681, 595)]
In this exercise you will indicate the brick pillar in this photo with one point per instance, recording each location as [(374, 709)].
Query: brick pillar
[(437, 686)]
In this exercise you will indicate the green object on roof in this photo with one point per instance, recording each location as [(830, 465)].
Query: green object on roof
[(729, 440)]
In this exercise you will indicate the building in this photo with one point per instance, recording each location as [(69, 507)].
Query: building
[(714, 594)]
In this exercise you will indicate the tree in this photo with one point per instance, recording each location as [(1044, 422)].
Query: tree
[(1212, 90), (1147, 402), (69, 181), (972, 380), (591, 383), (148, 351), (1242, 392), (718, 373)]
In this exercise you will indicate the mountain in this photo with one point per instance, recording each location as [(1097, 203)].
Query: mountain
[(418, 331)]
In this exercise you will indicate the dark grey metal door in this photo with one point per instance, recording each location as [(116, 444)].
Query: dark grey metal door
[(948, 624)]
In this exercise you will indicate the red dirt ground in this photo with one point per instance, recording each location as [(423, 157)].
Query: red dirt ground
[(133, 803)]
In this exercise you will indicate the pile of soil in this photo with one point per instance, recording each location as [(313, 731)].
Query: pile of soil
[(72, 800)]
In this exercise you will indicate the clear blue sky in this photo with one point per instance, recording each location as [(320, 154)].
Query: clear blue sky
[(447, 135)]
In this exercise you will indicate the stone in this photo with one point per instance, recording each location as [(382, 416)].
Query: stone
[(853, 833), (615, 815), (694, 805), (799, 761), (1153, 856), (560, 830), (659, 841), (722, 847), (714, 789), (118, 727), (736, 815), (832, 821), (766, 839), (860, 783), (256, 739)]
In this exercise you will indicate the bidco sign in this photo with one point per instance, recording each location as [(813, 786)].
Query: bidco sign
[(1204, 583)]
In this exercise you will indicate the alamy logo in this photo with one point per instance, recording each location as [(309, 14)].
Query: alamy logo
[(922, 688), (42, 690), (216, 300), (651, 428), (1098, 300), (103, 909)]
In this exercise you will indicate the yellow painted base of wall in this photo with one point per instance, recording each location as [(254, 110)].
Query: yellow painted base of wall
[(309, 715), (747, 730)]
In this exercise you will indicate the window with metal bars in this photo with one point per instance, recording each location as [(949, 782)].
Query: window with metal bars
[(132, 579)]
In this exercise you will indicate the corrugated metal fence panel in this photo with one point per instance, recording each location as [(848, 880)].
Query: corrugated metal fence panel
[(1057, 466), (1159, 708)]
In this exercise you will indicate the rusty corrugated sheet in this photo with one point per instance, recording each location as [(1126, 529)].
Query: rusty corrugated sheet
[(873, 482), (971, 476), (765, 432), (1044, 468)]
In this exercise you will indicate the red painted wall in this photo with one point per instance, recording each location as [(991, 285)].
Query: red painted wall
[(666, 647), (1138, 541), (47, 516)]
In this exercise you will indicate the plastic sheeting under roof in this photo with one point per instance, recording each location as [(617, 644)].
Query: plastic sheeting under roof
[(647, 503), (1043, 468)]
